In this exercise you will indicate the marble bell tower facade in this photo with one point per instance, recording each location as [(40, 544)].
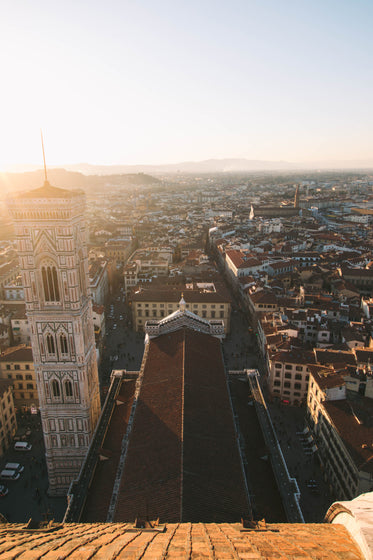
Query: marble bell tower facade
[(52, 247)]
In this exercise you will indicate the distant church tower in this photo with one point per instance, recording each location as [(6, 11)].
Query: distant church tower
[(296, 197), (52, 248)]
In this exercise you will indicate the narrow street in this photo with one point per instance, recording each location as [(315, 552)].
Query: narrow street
[(123, 348), (238, 346), (28, 496), (240, 352)]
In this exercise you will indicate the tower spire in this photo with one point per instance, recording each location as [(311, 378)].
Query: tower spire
[(45, 166), (182, 303)]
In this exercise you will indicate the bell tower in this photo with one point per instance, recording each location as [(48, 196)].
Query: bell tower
[(52, 248), (296, 197)]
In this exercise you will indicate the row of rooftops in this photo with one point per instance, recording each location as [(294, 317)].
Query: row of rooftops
[(216, 292), (325, 357), (304, 262), (164, 222), (180, 213)]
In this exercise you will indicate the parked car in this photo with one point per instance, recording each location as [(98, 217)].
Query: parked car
[(3, 490), (9, 475), (14, 467), (22, 446)]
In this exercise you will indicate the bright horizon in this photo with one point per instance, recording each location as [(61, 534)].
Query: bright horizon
[(136, 83)]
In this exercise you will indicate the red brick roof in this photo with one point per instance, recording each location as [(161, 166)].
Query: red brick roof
[(179, 541), (174, 295), (357, 272), (235, 256), (364, 355), (279, 265), (262, 296), (20, 353), (183, 461), (354, 423), (334, 357), (294, 357), (151, 482), (326, 377)]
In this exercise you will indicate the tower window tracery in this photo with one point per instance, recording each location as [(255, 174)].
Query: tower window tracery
[(63, 344), (68, 389), (50, 283), (56, 391), (50, 344)]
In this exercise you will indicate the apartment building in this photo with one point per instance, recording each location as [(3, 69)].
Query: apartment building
[(118, 250), (98, 281), (20, 326), (17, 366), (8, 421), (13, 290), (130, 276), (208, 300), (343, 433), (9, 272), (359, 381), (288, 375), (360, 278), (240, 263), (263, 301)]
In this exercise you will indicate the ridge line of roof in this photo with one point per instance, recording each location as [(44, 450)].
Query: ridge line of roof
[(182, 430)]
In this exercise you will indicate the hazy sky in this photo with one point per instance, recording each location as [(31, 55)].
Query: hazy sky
[(145, 81)]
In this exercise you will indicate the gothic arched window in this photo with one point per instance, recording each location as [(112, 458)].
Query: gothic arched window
[(50, 344), (50, 283), (68, 389), (63, 344), (56, 392)]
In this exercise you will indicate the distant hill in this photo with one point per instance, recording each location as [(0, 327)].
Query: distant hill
[(87, 176), (71, 180), (206, 166), (232, 165)]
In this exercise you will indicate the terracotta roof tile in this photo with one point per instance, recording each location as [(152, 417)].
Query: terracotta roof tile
[(195, 541), (169, 294), (152, 474), (213, 486), (20, 353)]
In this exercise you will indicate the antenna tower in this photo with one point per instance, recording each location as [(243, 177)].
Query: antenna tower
[(45, 166)]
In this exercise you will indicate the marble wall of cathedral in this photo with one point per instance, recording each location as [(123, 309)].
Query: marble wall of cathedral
[(52, 247)]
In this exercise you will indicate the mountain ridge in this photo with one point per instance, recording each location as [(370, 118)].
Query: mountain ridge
[(212, 165)]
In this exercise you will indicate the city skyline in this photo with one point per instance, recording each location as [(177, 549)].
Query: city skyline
[(133, 84)]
